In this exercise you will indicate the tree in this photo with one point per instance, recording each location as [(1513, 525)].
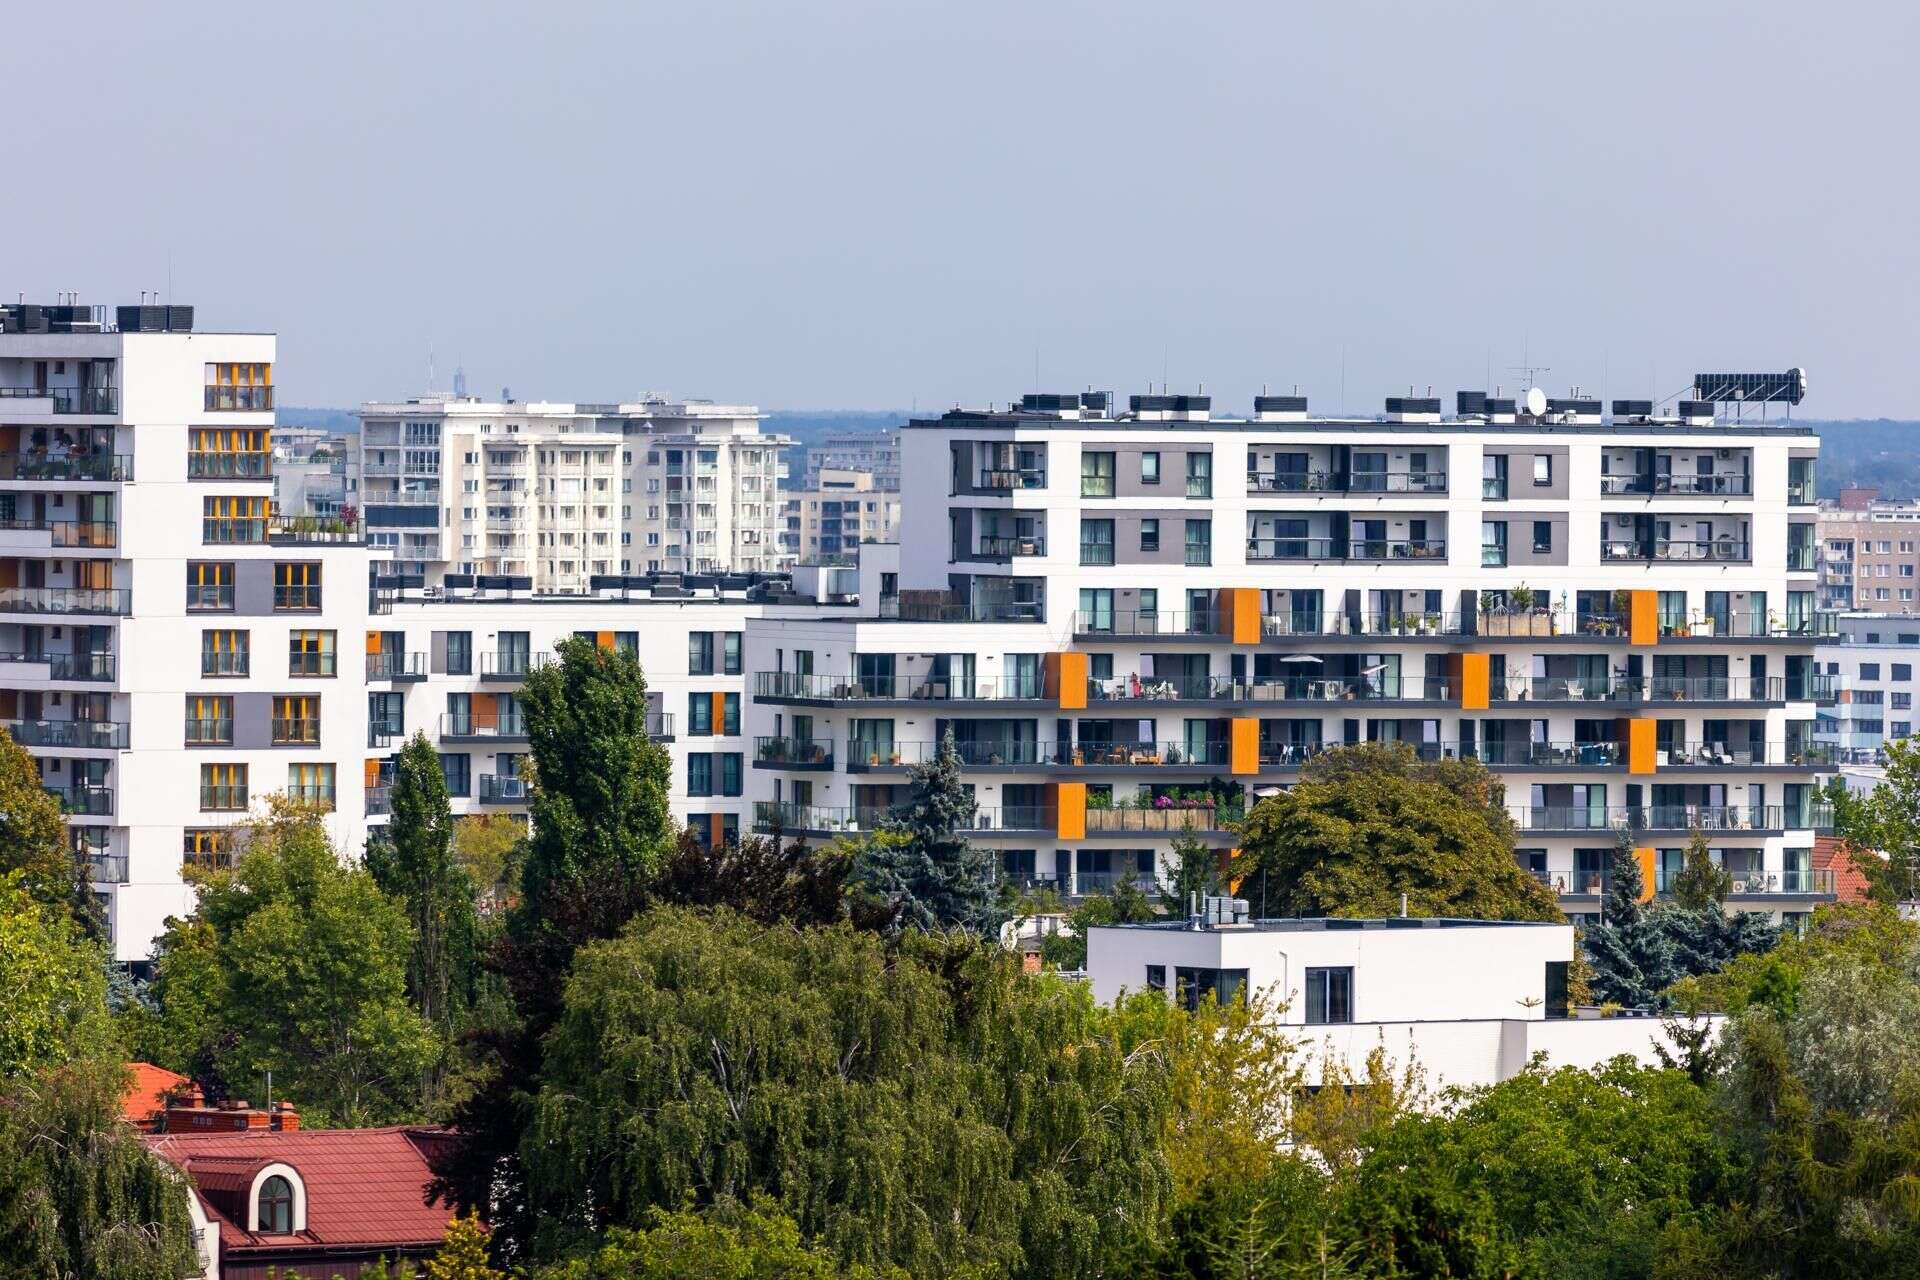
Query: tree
[(1625, 886), (298, 964), (725, 1243), (935, 877), (922, 1105), (33, 839), (1885, 823), (53, 980), (414, 864), (463, 1253), (1631, 956), (1369, 823), (1196, 872), (1127, 904), (600, 784), (1701, 886), (488, 847), (1841, 934)]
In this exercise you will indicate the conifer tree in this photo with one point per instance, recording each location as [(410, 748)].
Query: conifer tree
[(935, 876)]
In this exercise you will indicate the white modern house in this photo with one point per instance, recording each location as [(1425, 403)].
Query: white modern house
[(1470, 1002)]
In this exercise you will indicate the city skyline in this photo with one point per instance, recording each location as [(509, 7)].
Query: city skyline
[(873, 208)]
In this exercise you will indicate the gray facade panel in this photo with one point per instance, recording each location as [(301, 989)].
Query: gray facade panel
[(253, 588), (1520, 536), (1520, 469)]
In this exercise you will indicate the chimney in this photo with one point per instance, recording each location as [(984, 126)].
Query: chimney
[(285, 1118)]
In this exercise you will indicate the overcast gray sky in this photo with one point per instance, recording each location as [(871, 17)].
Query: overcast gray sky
[(873, 204)]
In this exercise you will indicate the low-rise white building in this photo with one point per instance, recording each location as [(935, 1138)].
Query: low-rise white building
[(1468, 1002)]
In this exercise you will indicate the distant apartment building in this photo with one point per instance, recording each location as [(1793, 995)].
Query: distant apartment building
[(1869, 553), (1870, 672), (560, 493), (875, 451), (846, 509), (317, 477), (173, 648), (1138, 623)]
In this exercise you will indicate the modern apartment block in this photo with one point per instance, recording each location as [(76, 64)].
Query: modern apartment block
[(560, 493), (874, 451), (453, 664), (1135, 623), (1869, 672), (172, 648), (845, 509), (1869, 554)]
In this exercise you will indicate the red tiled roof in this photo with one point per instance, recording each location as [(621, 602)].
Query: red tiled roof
[(1832, 852), (146, 1095), (364, 1186)]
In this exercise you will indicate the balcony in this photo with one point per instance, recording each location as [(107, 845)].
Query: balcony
[(660, 726), (891, 609), (1692, 486), (1010, 817), (105, 868), (1200, 624), (1007, 478), (1662, 818), (458, 727), (510, 664), (1375, 688), (1432, 483), (229, 399), (810, 819), (787, 686), (87, 735), (56, 600), (83, 801), (1264, 549), (1170, 820), (210, 465), (69, 399), (311, 530), (1744, 755), (1641, 689), (997, 547), (396, 666), (811, 754), (47, 468), (501, 788), (1677, 551), (379, 801), (68, 666)]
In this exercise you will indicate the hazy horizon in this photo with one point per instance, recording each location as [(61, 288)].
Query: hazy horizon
[(877, 206)]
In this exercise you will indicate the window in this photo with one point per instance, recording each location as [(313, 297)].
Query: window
[(729, 653), (224, 653), (208, 847), (1869, 671), (1903, 728), (1902, 671), (209, 720), (700, 653), (1156, 977), (209, 586), (296, 720), (221, 453), (233, 519), (1543, 537), (310, 653), (1200, 475), (223, 787), (1199, 542), (730, 714), (459, 653), (296, 586), (244, 388), (1096, 541), (1191, 987), (457, 770), (1096, 475), (1150, 468), (1150, 535), (386, 714), (1329, 996), (1868, 697), (1542, 470), (730, 773), (699, 773), (276, 1193), (700, 714), (1493, 542), (1901, 701), (310, 784)]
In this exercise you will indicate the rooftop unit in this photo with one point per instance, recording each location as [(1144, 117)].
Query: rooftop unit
[(60, 317), (1410, 408), (1577, 409), (1071, 405), (1268, 408), (1170, 408), (1638, 411)]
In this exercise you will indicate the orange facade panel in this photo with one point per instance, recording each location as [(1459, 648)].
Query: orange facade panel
[(1641, 740), (373, 642), (1070, 810), (373, 773), (719, 711), (1073, 669), (1243, 756), (603, 639), (1644, 857), (1643, 617), (1239, 610), (1475, 681)]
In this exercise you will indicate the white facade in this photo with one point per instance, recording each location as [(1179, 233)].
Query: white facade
[(173, 649), (1468, 1002), (1108, 610), (843, 510), (561, 493), (452, 666), (1869, 669), (877, 452)]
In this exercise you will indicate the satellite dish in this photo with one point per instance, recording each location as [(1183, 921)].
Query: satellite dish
[(1533, 402)]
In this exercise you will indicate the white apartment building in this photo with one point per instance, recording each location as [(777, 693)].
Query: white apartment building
[(171, 647), (317, 477), (845, 509), (1870, 687), (452, 664), (559, 493), (1469, 1002), (874, 451), (1139, 622)]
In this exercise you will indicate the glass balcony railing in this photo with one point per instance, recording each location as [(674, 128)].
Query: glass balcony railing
[(223, 399), (396, 666), (96, 600), (1415, 482), (793, 753), (1012, 478), (57, 466), (304, 732), (223, 798), (457, 725), (791, 686), (315, 795), (69, 399), (205, 731), (206, 465), (999, 547), (500, 788), (84, 801), (85, 734), (1365, 549)]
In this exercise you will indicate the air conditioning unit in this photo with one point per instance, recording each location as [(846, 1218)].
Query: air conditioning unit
[(1739, 886)]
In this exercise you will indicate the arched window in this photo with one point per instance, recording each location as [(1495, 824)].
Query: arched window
[(276, 1206)]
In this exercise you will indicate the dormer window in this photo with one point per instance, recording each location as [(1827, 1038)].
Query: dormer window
[(276, 1207)]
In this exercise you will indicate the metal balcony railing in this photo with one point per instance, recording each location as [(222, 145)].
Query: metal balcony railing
[(84, 801), (203, 731), (794, 753), (303, 731), (212, 465), (92, 735), (90, 600), (396, 666), (455, 724), (69, 399)]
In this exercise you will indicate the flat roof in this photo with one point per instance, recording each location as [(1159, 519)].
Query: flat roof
[(1334, 924), (967, 418)]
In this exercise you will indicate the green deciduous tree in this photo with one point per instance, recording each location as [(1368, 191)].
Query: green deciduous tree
[(488, 847), (33, 839), (923, 1106), (1196, 872), (935, 877), (53, 988), (462, 1254), (298, 963), (1369, 823), (724, 1243), (414, 864), (1127, 904), (1884, 826)]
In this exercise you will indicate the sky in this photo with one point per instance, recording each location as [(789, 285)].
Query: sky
[(868, 204)]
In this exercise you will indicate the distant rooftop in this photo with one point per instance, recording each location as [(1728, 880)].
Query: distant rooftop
[(1335, 924)]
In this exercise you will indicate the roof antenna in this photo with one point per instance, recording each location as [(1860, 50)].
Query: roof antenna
[(1403, 906)]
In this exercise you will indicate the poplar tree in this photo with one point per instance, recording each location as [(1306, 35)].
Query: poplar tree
[(413, 861)]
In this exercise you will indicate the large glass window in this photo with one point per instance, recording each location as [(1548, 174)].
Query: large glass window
[(1096, 541), (1329, 996), (209, 586), (276, 1195), (700, 653), (459, 653), (233, 519), (209, 720), (311, 653), (296, 586), (225, 653), (457, 769), (1199, 542), (1096, 475), (729, 652), (700, 714), (1200, 475), (1191, 987)]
